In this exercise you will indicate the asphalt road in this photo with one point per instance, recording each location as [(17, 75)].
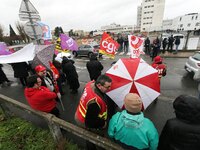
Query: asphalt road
[(176, 82)]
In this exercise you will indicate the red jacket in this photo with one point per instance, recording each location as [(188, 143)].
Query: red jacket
[(161, 69), (41, 99)]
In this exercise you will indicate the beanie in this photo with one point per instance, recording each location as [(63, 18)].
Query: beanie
[(39, 68), (133, 103), (157, 59)]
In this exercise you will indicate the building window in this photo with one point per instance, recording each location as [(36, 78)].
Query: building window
[(197, 24), (181, 25), (188, 24), (196, 17), (180, 18), (192, 17)]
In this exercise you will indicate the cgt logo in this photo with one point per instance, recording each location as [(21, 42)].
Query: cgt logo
[(136, 42), (110, 47)]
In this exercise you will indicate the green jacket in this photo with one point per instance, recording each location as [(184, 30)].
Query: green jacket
[(133, 130)]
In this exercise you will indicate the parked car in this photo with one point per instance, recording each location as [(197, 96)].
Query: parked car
[(193, 63), (86, 50), (15, 48)]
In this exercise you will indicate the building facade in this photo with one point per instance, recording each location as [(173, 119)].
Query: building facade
[(117, 28), (152, 15)]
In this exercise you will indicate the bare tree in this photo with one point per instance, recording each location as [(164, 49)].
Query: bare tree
[(22, 33), (1, 33)]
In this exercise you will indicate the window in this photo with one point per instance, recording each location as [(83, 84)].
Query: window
[(188, 24), (180, 19), (192, 17), (197, 24), (181, 25)]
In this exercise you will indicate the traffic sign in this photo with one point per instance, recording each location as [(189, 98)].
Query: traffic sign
[(33, 30), (26, 17), (27, 7)]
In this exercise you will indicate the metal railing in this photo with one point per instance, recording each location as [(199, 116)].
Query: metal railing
[(56, 124)]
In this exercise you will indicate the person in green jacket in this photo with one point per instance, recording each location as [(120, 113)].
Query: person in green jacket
[(130, 128)]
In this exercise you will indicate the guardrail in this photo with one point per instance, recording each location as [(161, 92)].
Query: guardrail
[(56, 124)]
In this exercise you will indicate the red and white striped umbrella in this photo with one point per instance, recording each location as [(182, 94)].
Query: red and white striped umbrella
[(133, 75)]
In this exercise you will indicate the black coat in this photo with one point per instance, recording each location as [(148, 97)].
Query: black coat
[(20, 69), (3, 77), (94, 68), (182, 132), (71, 74)]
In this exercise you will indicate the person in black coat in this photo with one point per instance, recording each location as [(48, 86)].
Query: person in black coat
[(3, 77), (182, 132), (147, 46), (94, 68), (21, 71), (71, 74), (164, 44), (170, 43)]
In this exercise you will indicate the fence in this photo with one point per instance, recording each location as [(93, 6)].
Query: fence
[(55, 124)]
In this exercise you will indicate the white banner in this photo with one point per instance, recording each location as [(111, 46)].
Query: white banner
[(135, 45), (25, 54)]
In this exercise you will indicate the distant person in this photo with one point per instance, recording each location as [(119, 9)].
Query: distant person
[(147, 46), (130, 128), (156, 47), (164, 45), (177, 43), (21, 71), (94, 67), (3, 78), (126, 43), (121, 42), (71, 75), (40, 97), (170, 43), (183, 131)]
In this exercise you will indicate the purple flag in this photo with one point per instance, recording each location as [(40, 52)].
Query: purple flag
[(68, 43), (3, 49)]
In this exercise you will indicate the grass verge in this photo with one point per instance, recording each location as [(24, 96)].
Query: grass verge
[(18, 134)]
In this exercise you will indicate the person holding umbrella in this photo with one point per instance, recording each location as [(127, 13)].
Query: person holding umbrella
[(94, 107), (130, 128)]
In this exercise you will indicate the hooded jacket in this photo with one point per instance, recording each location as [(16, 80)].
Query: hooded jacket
[(94, 68), (133, 130), (41, 99), (182, 132)]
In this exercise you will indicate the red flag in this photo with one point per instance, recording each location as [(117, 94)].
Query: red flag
[(54, 71), (108, 46)]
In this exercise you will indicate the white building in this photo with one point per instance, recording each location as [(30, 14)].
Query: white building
[(152, 15), (139, 15), (188, 22), (117, 28), (183, 23)]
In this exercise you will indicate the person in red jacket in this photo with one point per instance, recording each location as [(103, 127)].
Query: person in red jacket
[(158, 65), (40, 97)]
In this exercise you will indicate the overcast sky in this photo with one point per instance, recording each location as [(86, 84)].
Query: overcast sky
[(90, 14)]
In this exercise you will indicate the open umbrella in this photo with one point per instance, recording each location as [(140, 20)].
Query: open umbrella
[(133, 75), (44, 54)]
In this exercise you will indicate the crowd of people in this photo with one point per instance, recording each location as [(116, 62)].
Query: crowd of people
[(159, 45), (98, 113)]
